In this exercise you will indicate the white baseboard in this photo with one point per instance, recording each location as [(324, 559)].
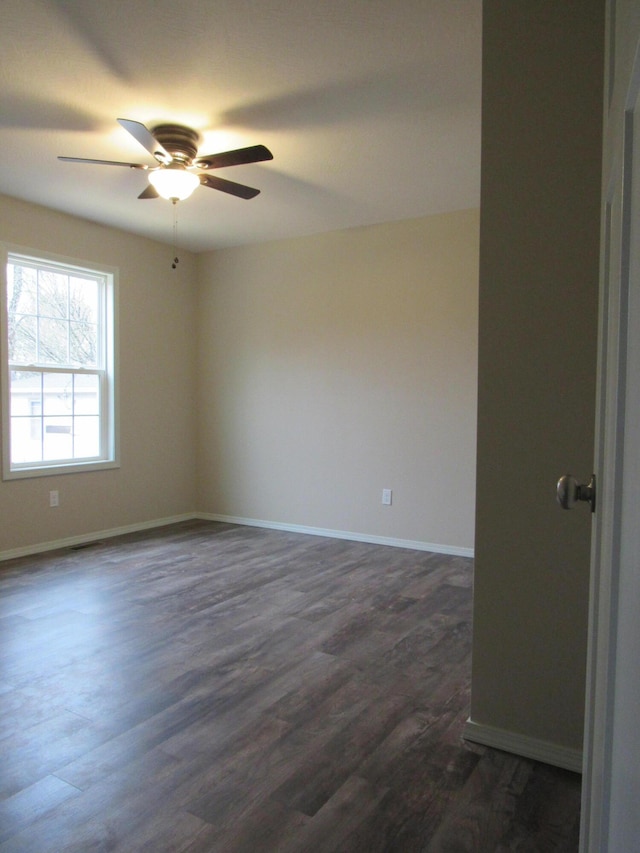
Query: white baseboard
[(452, 550), (528, 747), (70, 541)]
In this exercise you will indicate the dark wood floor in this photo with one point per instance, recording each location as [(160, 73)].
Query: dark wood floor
[(209, 687)]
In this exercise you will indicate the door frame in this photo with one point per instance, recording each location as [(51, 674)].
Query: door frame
[(611, 780)]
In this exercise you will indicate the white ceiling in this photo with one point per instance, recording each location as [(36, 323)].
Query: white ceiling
[(370, 107)]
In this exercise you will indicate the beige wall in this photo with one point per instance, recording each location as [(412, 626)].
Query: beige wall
[(337, 365), (542, 106), (328, 368), (156, 479)]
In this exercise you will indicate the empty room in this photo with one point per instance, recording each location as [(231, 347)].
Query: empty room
[(288, 380)]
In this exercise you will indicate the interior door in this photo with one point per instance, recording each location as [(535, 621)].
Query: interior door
[(611, 781)]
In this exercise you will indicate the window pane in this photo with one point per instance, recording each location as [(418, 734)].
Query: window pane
[(22, 289), (57, 394), (52, 343), (83, 344), (86, 440), (25, 393), (26, 445), (83, 299), (86, 395), (23, 341), (57, 441), (83, 314), (53, 294)]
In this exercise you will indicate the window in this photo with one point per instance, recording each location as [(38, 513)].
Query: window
[(58, 348)]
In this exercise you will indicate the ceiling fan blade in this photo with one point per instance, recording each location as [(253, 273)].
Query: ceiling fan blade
[(144, 136), (103, 162), (253, 154), (149, 192), (239, 190)]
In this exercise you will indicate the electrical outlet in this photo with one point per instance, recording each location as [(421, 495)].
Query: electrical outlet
[(386, 497), (54, 498)]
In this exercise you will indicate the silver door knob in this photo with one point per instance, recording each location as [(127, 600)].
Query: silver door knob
[(569, 492)]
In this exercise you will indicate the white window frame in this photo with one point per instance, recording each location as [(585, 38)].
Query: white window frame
[(108, 456)]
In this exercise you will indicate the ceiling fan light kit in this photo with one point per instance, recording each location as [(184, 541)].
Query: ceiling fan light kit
[(174, 182), (175, 149)]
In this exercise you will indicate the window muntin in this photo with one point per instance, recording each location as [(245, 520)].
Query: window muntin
[(59, 360)]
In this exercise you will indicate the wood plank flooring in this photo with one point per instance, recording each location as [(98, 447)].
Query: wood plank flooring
[(208, 687)]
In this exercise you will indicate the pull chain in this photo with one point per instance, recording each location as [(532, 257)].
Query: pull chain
[(176, 260)]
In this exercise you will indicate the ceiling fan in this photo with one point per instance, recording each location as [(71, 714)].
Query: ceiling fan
[(175, 148)]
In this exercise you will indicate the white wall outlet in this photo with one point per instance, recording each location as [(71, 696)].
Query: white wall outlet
[(54, 498), (386, 497)]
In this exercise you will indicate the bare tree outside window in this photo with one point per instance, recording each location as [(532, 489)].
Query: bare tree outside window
[(53, 317)]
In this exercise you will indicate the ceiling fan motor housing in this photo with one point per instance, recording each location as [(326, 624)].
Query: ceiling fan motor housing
[(181, 142)]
